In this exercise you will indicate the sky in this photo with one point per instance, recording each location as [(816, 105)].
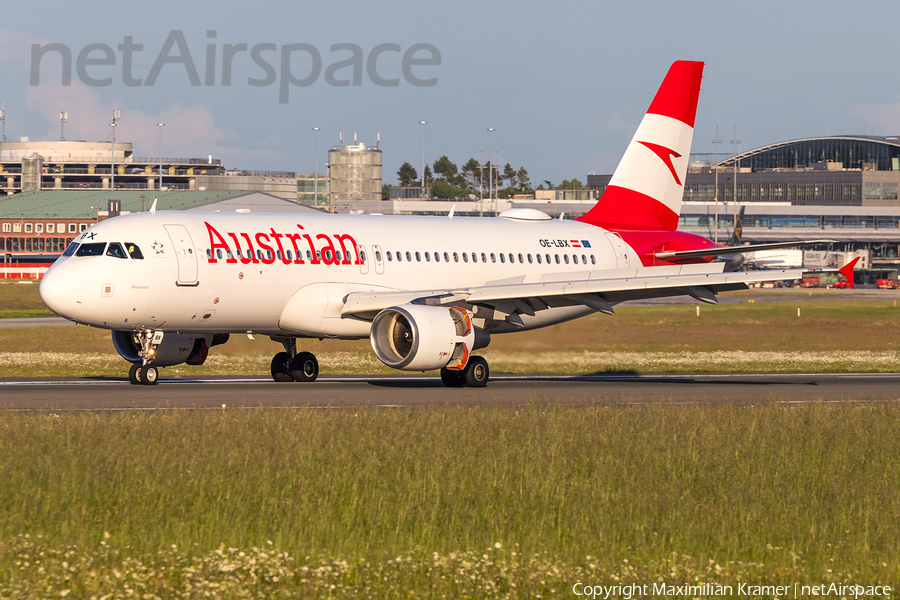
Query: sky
[(563, 84)]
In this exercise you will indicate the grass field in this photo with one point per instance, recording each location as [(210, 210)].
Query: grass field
[(450, 502), (20, 301), (457, 502), (830, 335)]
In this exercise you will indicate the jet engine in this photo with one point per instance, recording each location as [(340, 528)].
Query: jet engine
[(415, 337), (175, 348)]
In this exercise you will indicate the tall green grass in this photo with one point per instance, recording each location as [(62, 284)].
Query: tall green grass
[(812, 489)]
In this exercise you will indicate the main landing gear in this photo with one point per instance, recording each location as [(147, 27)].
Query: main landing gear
[(475, 374), (292, 365), (144, 373)]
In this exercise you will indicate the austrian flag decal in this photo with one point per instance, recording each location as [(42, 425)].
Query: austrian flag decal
[(580, 243)]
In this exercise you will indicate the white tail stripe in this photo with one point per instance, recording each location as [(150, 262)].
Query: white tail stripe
[(642, 170)]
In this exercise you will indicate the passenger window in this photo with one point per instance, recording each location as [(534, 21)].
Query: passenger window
[(389, 256), (219, 253), (268, 254), (547, 256), (529, 259), (502, 258), (91, 249), (511, 259), (116, 250), (418, 257), (408, 256), (437, 257), (538, 257), (362, 256), (209, 253), (327, 256), (483, 257), (378, 255), (566, 258), (277, 254), (583, 259), (593, 261), (474, 258), (319, 255), (465, 257), (521, 260), (134, 251), (446, 257), (455, 257), (290, 255), (557, 258), (575, 258), (427, 257), (71, 249), (493, 257)]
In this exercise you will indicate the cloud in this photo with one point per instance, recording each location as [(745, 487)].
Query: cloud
[(883, 118), (15, 47), (190, 131)]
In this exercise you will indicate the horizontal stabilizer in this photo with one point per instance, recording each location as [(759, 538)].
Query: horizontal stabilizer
[(737, 249), (847, 270)]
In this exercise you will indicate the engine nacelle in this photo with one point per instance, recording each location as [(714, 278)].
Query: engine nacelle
[(175, 348), (415, 337)]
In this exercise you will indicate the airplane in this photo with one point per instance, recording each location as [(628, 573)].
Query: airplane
[(427, 291)]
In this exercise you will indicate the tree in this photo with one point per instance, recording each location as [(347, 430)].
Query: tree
[(386, 191), (429, 177), (509, 174), (443, 189), (523, 180), (407, 174), (471, 171), (549, 185), (571, 185), (445, 168)]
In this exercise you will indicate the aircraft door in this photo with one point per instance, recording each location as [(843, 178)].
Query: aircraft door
[(184, 251), (378, 257), (364, 259)]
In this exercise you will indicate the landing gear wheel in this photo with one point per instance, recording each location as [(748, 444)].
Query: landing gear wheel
[(134, 374), (281, 367), (305, 367), (454, 379), (477, 372), (149, 375)]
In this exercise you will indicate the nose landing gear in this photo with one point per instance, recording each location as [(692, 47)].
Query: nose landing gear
[(144, 372)]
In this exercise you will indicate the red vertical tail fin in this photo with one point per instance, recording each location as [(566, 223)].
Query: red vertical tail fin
[(646, 189)]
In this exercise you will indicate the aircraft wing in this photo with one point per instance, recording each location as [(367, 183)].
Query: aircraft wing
[(600, 291), (737, 249)]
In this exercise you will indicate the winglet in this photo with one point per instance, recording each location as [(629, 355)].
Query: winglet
[(153, 207), (847, 270), (452, 210)]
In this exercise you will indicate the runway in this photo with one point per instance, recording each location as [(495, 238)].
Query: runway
[(419, 391)]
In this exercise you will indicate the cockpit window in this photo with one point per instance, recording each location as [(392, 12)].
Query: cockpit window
[(71, 249), (95, 249), (115, 250), (133, 250)]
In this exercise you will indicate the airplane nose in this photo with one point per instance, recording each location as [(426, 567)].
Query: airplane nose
[(62, 290)]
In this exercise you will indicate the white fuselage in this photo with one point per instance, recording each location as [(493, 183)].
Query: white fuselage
[(294, 271)]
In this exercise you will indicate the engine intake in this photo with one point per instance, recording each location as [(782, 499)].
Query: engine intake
[(176, 348), (414, 337)]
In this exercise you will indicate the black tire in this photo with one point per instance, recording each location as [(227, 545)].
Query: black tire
[(149, 375), (477, 372), (281, 368), (453, 379), (134, 374), (305, 367)]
